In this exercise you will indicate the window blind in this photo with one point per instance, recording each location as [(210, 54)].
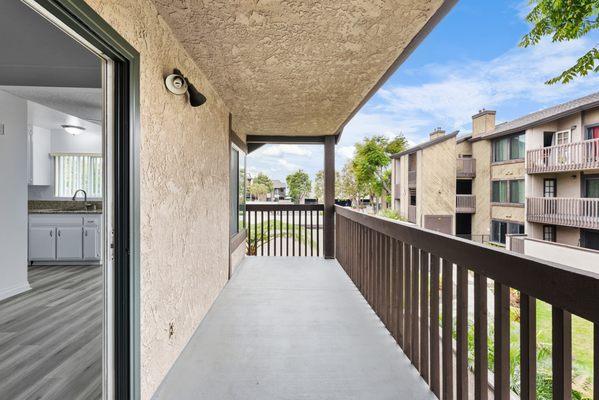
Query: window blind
[(73, 172)]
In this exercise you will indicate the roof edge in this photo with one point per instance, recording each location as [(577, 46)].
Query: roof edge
[(424, 145)]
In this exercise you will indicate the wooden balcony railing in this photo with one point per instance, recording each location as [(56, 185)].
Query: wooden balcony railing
[(411, 276), (565, 157), (411, 179), (465, 203), (284, 229), (574, 212), (466, 168), (412, 214)]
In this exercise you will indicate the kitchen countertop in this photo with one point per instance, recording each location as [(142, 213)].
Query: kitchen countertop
[(42, 211), (63, 207)]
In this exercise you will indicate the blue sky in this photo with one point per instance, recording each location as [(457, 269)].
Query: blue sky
[(471, 60)]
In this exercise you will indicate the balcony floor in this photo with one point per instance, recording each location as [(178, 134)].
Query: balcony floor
[(292, 328)]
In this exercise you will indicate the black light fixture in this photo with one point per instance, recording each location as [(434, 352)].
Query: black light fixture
[(178, 84)]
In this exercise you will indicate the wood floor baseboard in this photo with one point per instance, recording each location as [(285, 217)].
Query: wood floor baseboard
[(14, 290)]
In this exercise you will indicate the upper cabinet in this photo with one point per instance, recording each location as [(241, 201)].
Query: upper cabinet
[(38, 156)]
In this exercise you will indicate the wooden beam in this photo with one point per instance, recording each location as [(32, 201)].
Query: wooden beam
[(329, 197), (283, 139)]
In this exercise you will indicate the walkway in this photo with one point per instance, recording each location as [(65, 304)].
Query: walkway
[(292, 328)]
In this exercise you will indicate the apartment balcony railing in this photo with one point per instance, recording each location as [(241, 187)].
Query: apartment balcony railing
[(565, 157), (465, 203), (411, 179), (574, 212), (412, 214), (284, 229), (397, 191), (466, 167), (411, 276)]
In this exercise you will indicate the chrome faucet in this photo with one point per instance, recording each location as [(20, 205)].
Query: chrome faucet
[(87, 205)]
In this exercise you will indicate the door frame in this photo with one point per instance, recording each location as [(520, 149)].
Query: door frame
[(83, 23)]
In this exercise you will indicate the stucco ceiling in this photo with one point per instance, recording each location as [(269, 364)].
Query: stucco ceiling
[(298, 67)]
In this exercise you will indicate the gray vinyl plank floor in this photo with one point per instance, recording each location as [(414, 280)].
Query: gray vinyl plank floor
[(292, 328), (51, 336)]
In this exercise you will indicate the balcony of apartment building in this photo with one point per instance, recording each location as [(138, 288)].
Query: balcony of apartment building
[(573, 212), (566, 157), (466, 168)]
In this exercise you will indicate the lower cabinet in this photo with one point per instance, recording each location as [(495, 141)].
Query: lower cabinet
[(64, 237)]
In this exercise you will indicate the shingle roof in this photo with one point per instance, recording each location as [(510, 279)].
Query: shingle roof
[(546, 115), (278, 184), (426, 144)]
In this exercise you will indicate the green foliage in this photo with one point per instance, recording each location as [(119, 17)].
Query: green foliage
[(565, 20), (258, 190), (264, 180), (319, 186), (299, 185), (349, 187), (371, 162), (261, 234), (391, 214)]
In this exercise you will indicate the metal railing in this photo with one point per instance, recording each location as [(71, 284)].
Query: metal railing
[(284, 229), (575, 212), (411, 276), (465, 203), (565, 157), (466, 168), (412, 214)]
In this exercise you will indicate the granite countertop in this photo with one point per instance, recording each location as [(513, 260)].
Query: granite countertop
[(64, 207)]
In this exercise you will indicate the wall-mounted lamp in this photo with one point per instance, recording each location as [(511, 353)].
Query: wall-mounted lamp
[(73, 129), (178, 84)]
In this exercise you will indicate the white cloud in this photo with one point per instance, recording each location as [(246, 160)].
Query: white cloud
[(454, 92), (281, 149), (345, 151), (289, 166)]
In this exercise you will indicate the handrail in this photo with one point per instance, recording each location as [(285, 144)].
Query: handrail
[(579, 212), (466, 167), (465, 203), (564, 157), (284, 229), (408, 275), (517, 271)]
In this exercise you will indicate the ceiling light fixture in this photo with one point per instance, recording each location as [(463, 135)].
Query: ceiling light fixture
[(73, 129), (178, 84)]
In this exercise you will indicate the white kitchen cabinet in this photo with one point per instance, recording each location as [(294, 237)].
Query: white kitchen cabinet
[(65, 237), (38, 156), (69, 243), (91, 243), (42, 243)]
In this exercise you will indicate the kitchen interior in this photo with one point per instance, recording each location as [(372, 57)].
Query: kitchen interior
[(51, 211)]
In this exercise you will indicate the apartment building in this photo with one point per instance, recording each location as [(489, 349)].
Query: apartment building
[(424, 189), (529, 183)]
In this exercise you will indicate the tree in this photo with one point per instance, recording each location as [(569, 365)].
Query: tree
[(299, 185), (258, 190), (264, 180), (371, 164), (563, 21), (319, 185), (349, 188)]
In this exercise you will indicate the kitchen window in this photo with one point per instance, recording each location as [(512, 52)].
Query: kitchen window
[(508, 192), (237, 190), (509, 148), (77, 171)]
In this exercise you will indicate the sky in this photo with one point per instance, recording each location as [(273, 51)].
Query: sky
[(470, 61)]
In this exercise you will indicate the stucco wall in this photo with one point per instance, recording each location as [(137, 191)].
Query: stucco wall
[(508, 213), (508, 170), (481, 187), (438, 184), (585, 259), (463, 148), (184, 168)]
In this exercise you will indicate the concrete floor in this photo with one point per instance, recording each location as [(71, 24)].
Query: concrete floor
[(292, 328)]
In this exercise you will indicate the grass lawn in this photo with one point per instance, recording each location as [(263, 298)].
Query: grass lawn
[(582, 345)]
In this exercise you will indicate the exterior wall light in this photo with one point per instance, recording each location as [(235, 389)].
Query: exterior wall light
[(73, 129), (178, 84)]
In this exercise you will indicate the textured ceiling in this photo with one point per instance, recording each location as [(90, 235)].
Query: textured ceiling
[(295, 67)]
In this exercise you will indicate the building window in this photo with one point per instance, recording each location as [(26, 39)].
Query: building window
[(562, 137), (592, 133), (412, 197), (78, 171), (517, 191), (508, 148), (237, 192), (549, 187), (500, 228), (509, 192), (549, 233)]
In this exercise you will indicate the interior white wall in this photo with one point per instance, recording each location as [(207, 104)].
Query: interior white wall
[(13, 196), (61, 142)]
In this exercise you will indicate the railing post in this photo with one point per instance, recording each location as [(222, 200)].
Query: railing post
[(329, 197)]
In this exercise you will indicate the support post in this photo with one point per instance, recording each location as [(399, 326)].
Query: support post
[(329, 197)]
